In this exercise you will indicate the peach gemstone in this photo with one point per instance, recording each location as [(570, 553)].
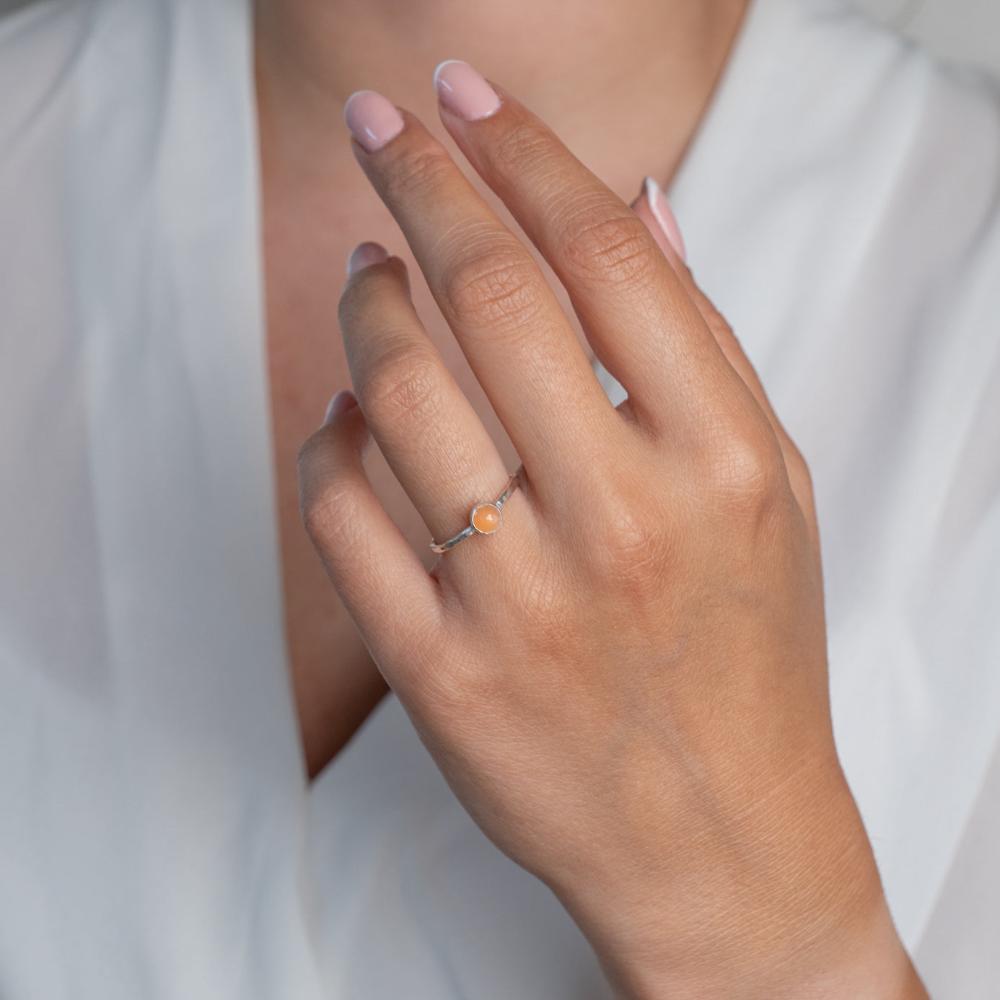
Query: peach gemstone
[(486, 518)]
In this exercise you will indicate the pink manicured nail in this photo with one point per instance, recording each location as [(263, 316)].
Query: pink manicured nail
[(340, 403), (364, 255), (463, 91), (664, 216), (372, 119)]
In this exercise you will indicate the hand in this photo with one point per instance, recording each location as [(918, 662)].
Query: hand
[(626, 685)]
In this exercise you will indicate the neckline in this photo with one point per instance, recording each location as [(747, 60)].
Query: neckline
[(744, 96)]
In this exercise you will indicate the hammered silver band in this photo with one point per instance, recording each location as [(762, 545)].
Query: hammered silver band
[(482, 516)]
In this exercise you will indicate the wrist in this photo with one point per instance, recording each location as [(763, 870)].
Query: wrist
[(867, 962), (793, 908), (861, 958)]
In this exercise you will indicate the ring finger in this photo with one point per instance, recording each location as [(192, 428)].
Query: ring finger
[(425, 426)]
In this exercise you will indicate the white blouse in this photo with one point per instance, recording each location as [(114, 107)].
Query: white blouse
[(157, 840)]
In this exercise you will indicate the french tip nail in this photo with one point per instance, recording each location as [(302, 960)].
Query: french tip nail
[(652, 193), (364, 255), (464, 91), (352, 102), (440, 66), (664, 215), (372, 119)]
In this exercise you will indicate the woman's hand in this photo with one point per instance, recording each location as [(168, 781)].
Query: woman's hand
[(626, 685)]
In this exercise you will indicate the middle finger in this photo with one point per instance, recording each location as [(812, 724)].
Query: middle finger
[(636, 313), (508, 322)]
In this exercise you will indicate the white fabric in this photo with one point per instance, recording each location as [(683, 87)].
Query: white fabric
[(156, 836)]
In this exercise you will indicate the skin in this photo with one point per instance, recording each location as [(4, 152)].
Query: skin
[(601, 77), (628, 695), (642, 683)]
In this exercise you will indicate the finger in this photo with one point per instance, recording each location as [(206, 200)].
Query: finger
[(381, 581), (658, 217), (637, 316), (517, 339), (428, 431), (653, 208)]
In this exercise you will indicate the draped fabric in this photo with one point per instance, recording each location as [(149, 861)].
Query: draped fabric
[(157, 838)]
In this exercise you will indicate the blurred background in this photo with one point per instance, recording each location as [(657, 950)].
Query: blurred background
[(967, 30)]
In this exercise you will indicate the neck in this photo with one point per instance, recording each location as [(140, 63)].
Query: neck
[(625, 84)]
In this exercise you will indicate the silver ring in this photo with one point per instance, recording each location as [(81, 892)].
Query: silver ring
[(484, 518)]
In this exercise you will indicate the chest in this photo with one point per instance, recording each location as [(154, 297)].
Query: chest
[(305, 249)]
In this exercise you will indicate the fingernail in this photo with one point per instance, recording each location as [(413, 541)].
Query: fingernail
[(364, 255), (463, 91), (664, 216), (373, 119), (341, 403)]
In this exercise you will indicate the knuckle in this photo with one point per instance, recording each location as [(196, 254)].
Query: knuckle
[(547, 609), (361, 297), (417, 172), (796, 462), (495, 287), (526, 142), (311, 451), (799, 472), (632, 545), (808, 487), (404, 386), (330, 514), (616, 249), (440, 685), (743, 472), (420, 657), (631, 539), (718, 323)]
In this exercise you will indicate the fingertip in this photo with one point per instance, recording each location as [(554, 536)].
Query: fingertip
[(344, 424), (342, 402), (440, 68), (664, 216), (365, 255), (372, 119), (463, 91)]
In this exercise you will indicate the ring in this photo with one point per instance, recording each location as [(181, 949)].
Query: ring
[(484, 518)]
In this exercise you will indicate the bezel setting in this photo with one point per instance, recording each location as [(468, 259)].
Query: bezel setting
[(482, 506)]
